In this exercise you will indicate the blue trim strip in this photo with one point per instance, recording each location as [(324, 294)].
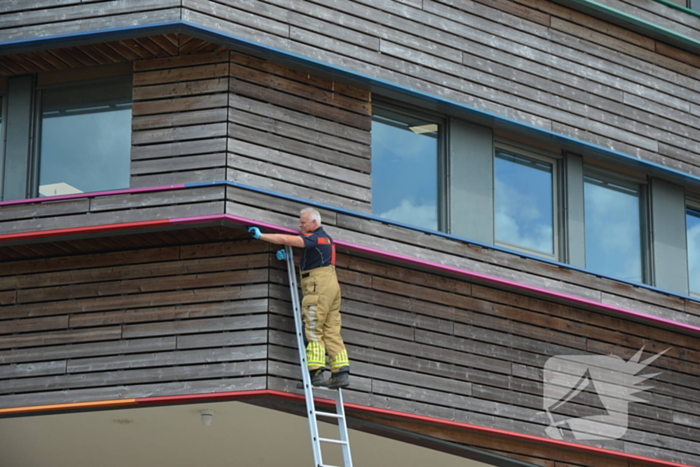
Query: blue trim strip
[(370, 217), (219, 37)]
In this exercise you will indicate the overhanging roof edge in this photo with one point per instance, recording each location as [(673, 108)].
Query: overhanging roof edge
[(202, 32), (351, 407)]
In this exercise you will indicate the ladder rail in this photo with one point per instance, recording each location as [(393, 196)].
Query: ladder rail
[(312, 413), (306, 378)]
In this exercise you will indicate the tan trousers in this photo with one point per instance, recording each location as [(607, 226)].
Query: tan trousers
[(321, 311)]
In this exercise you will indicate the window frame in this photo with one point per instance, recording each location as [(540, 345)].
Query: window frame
[(558, 226), (21, 121), (443, 178), (630, 182), (692, 203), (3, 133), (51, 81)]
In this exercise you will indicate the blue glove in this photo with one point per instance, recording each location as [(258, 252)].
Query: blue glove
[(281, 254), (254, 232)]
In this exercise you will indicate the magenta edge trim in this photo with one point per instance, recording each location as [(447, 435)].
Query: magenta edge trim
[(486, 278), (524, 287), (92, 195)]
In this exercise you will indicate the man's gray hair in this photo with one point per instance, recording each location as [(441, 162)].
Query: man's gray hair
[(314, 215)]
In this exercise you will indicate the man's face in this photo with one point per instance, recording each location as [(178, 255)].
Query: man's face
[(305, 224)]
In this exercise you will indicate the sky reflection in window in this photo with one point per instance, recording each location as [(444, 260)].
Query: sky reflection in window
[(85, 142), (524, 202), (693, 235), (613, 229), (405, 170)]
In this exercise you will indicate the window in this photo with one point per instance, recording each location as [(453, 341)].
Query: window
[(405, 168), (65, 132), (525, 212), (692, 218), (613, 226), (85, 138), (531, 197)]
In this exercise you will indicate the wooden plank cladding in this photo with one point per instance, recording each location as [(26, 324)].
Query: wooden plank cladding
[(298, 134), (439, 347), (468, 257), (191, 318), (111, 209), (536, 62), (223, 115), (23, 20), (179, 119)]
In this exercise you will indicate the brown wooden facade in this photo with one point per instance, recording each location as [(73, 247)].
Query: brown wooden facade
[(201, 309)]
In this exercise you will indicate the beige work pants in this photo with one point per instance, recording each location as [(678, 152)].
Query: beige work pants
[(321, 311)]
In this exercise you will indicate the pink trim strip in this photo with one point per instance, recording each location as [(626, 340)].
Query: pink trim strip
[(490, 279), (392, 256)]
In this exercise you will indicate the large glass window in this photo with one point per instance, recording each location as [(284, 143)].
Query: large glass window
[(405, 157), (524, 202), (613, 227), (693, 238), (85, 138)]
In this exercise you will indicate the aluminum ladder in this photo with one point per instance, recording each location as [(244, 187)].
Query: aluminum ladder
[(313, 414)]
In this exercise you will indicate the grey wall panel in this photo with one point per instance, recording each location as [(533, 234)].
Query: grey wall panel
[(575, 228), (669, 252), (20, 106), (471, 181)]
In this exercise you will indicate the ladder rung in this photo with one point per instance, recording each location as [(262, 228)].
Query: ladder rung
[(323, 388), (334, 441), (328, 414)]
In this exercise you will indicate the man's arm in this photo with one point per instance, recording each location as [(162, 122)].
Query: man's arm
[(283, 239)]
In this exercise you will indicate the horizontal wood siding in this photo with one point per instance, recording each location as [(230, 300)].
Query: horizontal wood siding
[(180, 119), (535, 62), (439, 347), (111, 209), (27, 20), (157, 321), (461, 255), (299, 134)]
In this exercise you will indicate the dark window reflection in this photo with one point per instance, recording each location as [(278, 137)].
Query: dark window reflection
[(405, 169), (85, 137)]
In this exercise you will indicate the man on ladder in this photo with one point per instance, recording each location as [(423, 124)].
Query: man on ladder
[(321, 302)]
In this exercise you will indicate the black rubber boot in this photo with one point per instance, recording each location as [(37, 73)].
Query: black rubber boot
[(337, 380), (316, 378)]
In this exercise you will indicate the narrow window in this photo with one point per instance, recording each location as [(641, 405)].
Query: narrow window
[(405, 157), (692, 218), (85, 141), (524, 202), (613, 227)]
